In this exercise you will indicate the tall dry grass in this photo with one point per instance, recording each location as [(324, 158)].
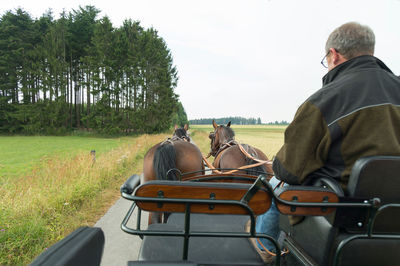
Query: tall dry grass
[(200, 138), (41, 208)]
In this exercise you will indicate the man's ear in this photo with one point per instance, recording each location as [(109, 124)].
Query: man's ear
[(186, 127), (176, 126), (337, 58)]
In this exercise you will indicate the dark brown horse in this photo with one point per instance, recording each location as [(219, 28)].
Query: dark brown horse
[(229, 154), (171, 159)]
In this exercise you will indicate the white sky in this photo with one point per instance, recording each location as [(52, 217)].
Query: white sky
[(249, 58)]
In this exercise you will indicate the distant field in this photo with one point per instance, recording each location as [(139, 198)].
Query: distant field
[(18, 155), (268, 138)]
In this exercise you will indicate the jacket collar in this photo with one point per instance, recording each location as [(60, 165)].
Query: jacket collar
[(359, 62)]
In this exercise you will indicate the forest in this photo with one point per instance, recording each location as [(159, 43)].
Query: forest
[(79, 72), (224, 120)]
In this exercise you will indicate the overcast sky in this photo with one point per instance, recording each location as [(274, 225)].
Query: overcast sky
[(249, 58)]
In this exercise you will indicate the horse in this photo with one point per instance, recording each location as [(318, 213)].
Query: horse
[(173, 159), (229, 154)]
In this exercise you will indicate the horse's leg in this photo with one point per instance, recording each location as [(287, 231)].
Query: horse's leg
[(148, 174), (165, 217), (155, 217), (148, 169)]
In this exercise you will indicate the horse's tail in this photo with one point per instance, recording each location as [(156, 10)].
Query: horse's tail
[(258, 170), (164, 161)]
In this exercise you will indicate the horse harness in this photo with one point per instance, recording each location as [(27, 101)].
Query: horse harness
[(223, 148), (175, 138)]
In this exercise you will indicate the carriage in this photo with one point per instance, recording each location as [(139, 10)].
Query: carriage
[(208, 217), (360, 227)]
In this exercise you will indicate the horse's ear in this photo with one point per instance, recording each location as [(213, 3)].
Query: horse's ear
[(186, 127), (176, 126), (214, 124), (229, 124)]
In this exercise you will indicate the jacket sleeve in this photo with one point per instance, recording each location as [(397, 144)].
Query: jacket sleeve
[(305, 148)]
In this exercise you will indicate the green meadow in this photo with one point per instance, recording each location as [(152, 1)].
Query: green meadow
[(20, 154), (51, 185)]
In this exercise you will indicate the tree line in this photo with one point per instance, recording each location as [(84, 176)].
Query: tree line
[(237, 120), (81, 72), (281, 123)]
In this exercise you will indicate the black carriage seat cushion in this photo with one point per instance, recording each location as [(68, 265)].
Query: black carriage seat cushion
[(259, 203), (210, 222), (161, 263), (378, 176), (371, 252), (202, 250), (326, 182), (82, 247)]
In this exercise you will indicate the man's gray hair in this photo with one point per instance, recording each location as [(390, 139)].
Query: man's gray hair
[(352, 39)]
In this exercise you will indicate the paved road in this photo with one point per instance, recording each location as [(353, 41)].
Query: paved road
[(119, 247)]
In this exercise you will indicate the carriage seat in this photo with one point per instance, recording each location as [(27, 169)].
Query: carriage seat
[(203, 250), (82, 247), (316, 240), (227, 218)]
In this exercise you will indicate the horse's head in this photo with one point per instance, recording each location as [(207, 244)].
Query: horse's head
[(181, 133), (221, 135)]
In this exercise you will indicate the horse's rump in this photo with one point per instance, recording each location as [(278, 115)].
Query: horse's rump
[(174, 159), (170, 160), (189, 159)]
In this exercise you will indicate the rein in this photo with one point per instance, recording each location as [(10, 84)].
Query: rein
[(229, 144)]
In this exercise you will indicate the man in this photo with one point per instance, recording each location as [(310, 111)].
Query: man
[(355, 114)]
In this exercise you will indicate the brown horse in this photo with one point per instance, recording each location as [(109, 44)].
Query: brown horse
[(229, 154), (174, 159)]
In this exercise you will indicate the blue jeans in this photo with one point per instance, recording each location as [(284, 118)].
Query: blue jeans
[(268, 223)]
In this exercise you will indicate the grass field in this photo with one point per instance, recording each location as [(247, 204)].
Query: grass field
[(19, 155), (51, 186), (268, 138)]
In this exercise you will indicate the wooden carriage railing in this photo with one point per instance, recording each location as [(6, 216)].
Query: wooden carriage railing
[(227, 198)]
